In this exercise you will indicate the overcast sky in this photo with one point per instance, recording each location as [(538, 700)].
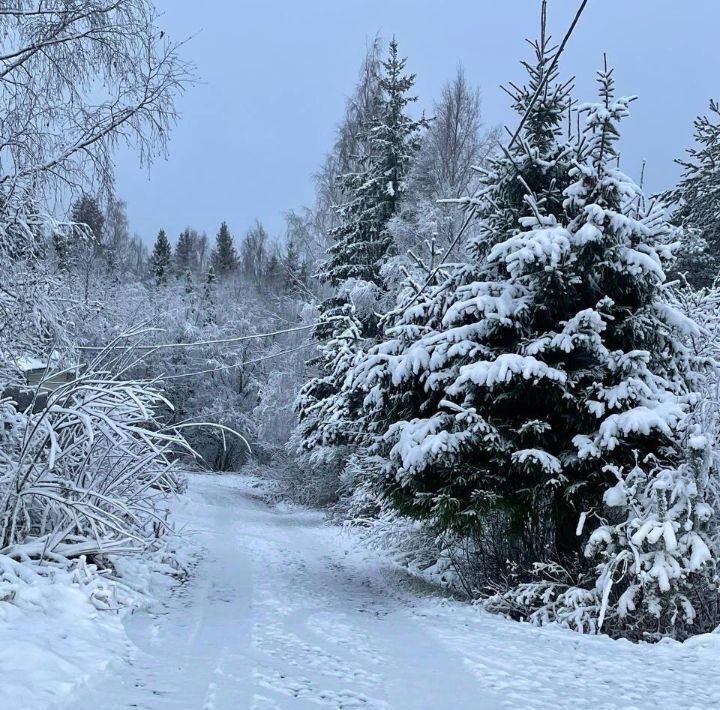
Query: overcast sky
[(275, 76)]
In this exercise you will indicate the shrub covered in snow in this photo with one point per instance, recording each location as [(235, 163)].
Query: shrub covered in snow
[(86, 472), (84, 465)]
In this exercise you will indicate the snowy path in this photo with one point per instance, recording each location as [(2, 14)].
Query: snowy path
[(284, 613), (275, 618)]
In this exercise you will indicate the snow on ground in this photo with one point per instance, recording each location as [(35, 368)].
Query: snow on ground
[(285, 612), (53, 635)]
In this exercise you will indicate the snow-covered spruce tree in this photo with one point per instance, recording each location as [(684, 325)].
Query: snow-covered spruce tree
[(353, 268), (161, 258), (446, 461), (641, 477), (84, 241), (697, 199), (186, 253), (89, 220), (361, 240), (323, 421), (548, 381)]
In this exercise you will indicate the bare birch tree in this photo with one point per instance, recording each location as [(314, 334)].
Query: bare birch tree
[(455, 142), (78, 78)]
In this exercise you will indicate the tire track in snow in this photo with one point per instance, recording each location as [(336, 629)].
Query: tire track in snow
[(338, 636), (279, 616)]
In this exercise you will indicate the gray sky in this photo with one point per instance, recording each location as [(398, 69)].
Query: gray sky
[(275, 76)]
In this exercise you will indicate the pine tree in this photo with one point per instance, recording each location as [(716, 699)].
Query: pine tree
[(224, 257), (361, 241), (161, 258), (697, 198)]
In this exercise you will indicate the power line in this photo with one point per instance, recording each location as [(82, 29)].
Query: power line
[(552, 66), (471, 209), (218, 341), (234, 365)]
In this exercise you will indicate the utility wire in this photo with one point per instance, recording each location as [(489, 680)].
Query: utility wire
[(234, 365), (218, 341), (541, 86), (552, 66)]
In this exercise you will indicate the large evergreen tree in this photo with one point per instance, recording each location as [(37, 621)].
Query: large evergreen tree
[(87, 233), (461, 315), (185, 252), (545, 379), (161, 258), (361, 244), (322, 434), (275, 275), (89, 219), (224, 257)]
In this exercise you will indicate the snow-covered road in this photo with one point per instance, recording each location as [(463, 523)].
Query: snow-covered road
[(285, 612)]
